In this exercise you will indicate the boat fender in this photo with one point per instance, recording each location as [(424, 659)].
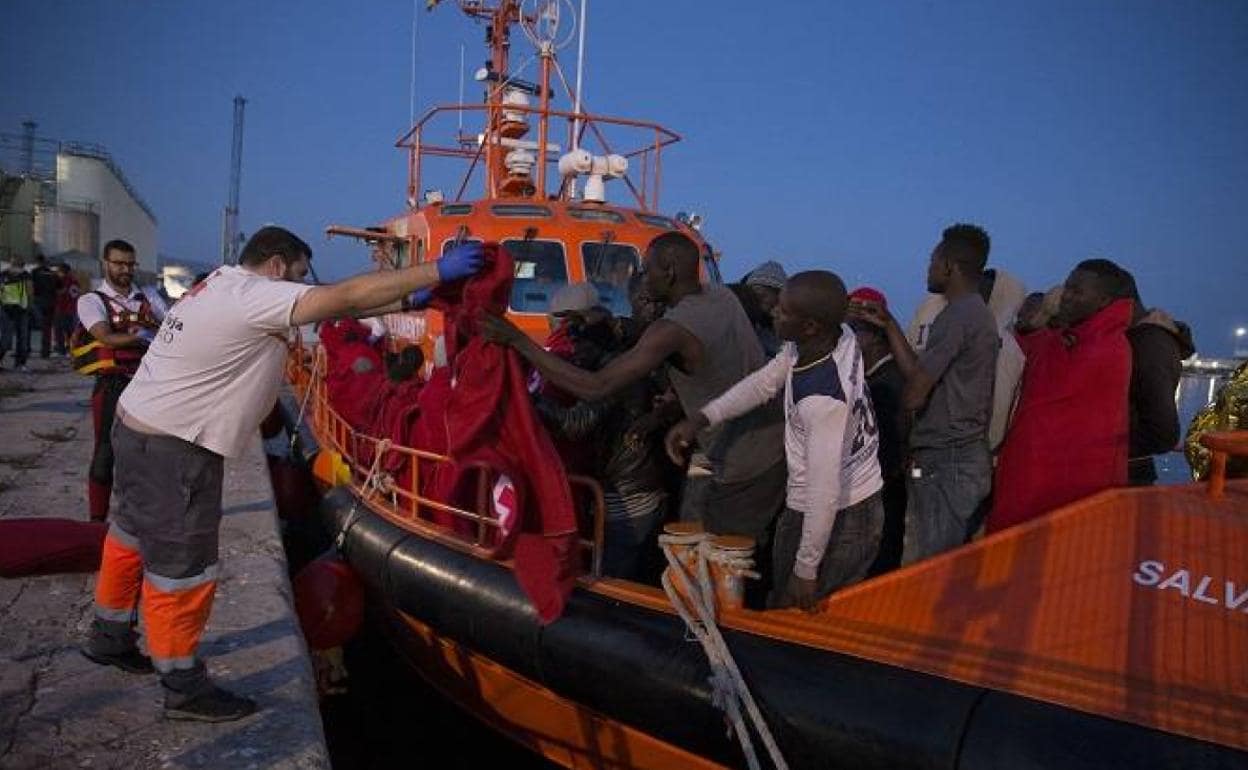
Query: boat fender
[(329, 601)]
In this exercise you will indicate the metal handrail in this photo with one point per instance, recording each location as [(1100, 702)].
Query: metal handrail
[(1222, 445), (333, 431)]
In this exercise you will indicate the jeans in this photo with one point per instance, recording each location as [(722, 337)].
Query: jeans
[(944, 489), (852, 547), (17, 324)]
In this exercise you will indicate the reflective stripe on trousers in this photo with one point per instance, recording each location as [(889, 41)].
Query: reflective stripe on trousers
[(175, 611), (121, 575)]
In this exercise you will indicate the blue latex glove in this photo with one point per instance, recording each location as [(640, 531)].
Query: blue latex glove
[(419, 299), (460, 262)]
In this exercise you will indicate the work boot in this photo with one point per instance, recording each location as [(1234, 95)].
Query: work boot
[(113, 644), (190, 695), (131, 661)]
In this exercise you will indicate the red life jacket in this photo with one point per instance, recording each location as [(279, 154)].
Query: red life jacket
[(92, 357)]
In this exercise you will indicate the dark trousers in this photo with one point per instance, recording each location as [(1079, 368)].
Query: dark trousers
[(41, 317), (894, 532), (104, 397), (18, 327), (1141, 471), (854, 542), (748, 508), (64, 328)]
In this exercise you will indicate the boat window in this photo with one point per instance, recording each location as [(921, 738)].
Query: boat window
[(420, 250), (450, 243), (710, 268), (596, 215), (663, 223), (519, 210), (402, 254), (609, 267), (541, 270), (456, 209)]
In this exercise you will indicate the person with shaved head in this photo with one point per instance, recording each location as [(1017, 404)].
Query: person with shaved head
[(829, 532)]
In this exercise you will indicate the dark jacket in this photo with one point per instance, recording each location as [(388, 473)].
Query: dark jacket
[(1158, 346), (885, 383)]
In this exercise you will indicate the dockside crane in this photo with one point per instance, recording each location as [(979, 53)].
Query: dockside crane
[(231, 238)]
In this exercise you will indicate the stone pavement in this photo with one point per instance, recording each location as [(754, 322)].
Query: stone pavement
[(58, 710)]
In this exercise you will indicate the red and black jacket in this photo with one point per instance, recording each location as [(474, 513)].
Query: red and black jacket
[(92, 357)]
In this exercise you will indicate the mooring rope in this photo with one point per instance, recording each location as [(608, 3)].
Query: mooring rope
[(729, 692), (307, 394)]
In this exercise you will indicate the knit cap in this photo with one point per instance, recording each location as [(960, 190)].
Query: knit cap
[(770, 273)]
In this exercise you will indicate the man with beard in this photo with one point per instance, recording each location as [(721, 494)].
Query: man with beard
[(210, 376), (119, 321)]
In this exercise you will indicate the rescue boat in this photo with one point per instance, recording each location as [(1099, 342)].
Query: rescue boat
[(1110, 633)]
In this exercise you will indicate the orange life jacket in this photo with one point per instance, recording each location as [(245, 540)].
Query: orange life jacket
[(91, 357)]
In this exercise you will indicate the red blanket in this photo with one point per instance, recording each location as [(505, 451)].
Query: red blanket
[(355, 374), (1068, 438), (486, 417), (50, 546)]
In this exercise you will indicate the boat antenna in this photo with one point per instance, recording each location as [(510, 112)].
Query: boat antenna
[(580, 69), (460, 131), (411, 110)]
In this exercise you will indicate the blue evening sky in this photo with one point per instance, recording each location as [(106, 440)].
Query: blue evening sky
[(837, 135)]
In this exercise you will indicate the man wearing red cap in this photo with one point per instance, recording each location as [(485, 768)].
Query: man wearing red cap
[(885, 383)]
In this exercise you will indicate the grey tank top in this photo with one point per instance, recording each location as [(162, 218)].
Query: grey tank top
[(743, 448)]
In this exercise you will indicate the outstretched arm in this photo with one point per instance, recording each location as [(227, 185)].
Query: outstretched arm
[(756, 389), (657, 344), (370, 292)]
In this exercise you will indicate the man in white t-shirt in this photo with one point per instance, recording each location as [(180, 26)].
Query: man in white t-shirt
[(829, 532), (210, 376), (120, 320)]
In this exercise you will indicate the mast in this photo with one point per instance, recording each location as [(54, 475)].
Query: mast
[(230, 236)]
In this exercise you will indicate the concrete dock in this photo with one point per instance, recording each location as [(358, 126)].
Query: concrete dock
[(58, 710)]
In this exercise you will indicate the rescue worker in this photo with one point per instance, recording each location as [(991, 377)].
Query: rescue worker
[(209, 378), (15, 301), (119, 321)]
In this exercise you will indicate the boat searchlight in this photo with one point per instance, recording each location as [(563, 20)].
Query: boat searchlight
[(599, 169)]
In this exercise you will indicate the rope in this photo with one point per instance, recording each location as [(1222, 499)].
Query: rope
[(729, 692), (373, 482), (307, 394), (367, 488)]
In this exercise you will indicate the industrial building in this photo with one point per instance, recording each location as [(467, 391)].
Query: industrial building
[(67, 199)]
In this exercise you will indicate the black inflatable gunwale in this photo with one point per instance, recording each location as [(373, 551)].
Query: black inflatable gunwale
[(632, 664)]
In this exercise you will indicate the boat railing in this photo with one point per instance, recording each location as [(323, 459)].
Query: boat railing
[(644, 149), (380, 468)]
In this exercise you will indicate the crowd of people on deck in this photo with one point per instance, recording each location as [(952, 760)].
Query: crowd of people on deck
[(793, 411)]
